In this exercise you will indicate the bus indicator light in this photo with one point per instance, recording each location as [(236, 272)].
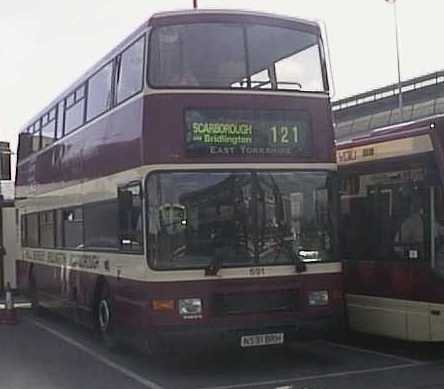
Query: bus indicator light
[(163, 305)]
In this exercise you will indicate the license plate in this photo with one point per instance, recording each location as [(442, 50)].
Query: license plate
[(262, 340)]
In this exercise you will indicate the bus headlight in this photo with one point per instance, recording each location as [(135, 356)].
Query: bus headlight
[(190, 307), (318, 298)]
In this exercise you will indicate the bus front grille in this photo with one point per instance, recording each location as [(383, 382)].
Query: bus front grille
[(256, 302)]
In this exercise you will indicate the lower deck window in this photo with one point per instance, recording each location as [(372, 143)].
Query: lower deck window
[(101, 229), (73, 228), (386, 216), (438, 229)]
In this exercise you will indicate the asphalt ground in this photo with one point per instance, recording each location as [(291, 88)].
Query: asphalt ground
[(50, 352)]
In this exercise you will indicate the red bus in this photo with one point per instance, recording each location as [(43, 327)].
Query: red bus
[(184, 188), (392, 218)]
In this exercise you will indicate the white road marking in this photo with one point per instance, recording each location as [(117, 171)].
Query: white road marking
[(136, 377), (367, 351), (319, 376)]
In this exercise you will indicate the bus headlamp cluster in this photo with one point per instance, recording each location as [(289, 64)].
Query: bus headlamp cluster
[(190, 307), (318, 298)]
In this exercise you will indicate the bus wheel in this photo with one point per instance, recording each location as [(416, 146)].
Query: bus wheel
[(34, 296), (104, 316)]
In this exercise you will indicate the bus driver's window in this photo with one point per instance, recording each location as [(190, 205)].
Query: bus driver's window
[(130, 217)]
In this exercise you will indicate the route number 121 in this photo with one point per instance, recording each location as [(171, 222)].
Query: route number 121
[(284, 134)]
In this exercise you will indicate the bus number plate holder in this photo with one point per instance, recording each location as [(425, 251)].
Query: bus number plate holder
[(262, 340)]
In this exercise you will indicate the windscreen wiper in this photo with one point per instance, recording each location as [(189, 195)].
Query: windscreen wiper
[(299, 264), (214, 266)]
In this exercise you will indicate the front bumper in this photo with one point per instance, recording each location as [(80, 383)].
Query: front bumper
[(198, 337)]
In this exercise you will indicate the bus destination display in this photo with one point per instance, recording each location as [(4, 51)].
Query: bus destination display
[(247, 132)]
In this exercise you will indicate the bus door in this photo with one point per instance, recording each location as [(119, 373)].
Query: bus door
[(403, 232), (435, 284)]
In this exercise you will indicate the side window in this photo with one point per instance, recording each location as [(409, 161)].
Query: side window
[(130, 217), (5, 161), (130, 72), (100, 92), (101, 225), (73, 228), (60, 119), (59, 214), (438, 229), (47, 229), (384, 216), (75, 110), (36, 131), (23, 231), (25, 145), (48, 128), (32, 230)]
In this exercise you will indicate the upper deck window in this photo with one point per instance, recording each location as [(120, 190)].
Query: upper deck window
[(75, 110), (130, 71), (36, 136), (48, 128), (100, 92), (217, 55)]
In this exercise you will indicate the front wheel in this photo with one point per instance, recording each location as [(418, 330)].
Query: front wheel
[(104, 318)]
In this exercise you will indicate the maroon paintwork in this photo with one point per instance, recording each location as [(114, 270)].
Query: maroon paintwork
[(153, 133), (409, 280), (74, 294), (151, 130), (412, 280)]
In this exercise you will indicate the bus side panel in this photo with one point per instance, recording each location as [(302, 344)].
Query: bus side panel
[(46, 278), (108, 145), (401, 299)]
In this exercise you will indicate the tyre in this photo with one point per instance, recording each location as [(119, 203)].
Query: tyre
[(104, 317)]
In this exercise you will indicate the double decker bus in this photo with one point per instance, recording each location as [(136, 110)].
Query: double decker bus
[(392, 226), (183, 189)]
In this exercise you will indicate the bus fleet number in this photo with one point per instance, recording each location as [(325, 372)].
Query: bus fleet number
[(256, 271)]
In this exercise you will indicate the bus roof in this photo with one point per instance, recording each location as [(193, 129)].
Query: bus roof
[(397, 131), (159, 19), (230, 12)]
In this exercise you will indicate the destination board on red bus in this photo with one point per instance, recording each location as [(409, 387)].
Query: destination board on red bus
[(247, 132)]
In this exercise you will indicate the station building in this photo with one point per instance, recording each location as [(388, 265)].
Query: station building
[(359, 115)]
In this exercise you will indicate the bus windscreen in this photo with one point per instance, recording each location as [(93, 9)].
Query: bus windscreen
[(244, 218), (227, 56)]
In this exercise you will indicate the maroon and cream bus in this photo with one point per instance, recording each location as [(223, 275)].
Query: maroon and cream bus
[(184, 188), (392, 227)]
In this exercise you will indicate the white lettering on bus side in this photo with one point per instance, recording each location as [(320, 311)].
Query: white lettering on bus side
[(81, 261)]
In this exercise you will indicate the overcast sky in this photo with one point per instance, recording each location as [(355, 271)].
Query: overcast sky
[(46, 44)]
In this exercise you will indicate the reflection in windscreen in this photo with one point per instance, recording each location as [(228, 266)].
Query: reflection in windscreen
[(242, 218), (216, 55)]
